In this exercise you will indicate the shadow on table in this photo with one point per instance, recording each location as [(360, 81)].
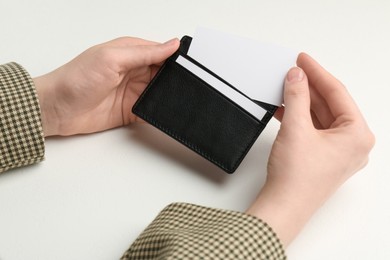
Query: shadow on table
[(164, 145)]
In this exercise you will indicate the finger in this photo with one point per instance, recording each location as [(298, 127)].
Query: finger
[(280, 112), (146, 55), (325, 121), (296, 98), (316, 122), (333, 91), (320, 109)]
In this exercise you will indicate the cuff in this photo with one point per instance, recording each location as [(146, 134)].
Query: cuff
[(186, 231), (21, 135)]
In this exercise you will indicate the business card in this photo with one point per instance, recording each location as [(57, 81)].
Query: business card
[(256, 69)]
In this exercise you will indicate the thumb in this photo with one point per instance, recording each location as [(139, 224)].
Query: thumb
[(145, 55), (296, 97)]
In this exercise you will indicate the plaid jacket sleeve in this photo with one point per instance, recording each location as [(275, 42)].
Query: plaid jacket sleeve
[(21, 135), (187, 231)]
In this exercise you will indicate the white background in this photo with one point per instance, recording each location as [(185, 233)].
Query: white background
[(94, 194)]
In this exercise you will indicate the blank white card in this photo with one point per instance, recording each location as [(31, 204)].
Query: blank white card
[(256, 69)]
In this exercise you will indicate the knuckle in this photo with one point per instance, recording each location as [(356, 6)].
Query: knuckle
[(363, 140), (104, 53), (296, 90)]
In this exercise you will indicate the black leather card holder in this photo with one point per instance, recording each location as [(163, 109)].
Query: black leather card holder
[(194, 113)]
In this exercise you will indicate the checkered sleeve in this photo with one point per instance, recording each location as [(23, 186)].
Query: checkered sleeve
[(21, 135), (187, 231)]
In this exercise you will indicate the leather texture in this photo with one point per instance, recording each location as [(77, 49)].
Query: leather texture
[(195, 114)]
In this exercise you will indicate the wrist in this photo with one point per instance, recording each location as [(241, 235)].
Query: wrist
[(46, 103), (284, 210)]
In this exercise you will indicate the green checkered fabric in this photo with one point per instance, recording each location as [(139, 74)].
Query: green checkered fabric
[(186, 231), (21, 136)]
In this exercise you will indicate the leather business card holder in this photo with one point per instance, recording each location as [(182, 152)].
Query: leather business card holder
[(191, 111)]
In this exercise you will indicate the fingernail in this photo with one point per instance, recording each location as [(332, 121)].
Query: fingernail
[(170, 42), (295, 75)]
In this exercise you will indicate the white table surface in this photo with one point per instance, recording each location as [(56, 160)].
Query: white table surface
[(94, 194)]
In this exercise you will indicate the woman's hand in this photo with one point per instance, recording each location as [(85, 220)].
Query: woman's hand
[(97, 89), (323, 140)]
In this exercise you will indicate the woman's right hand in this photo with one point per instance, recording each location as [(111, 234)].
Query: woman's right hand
[(323, 140)]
